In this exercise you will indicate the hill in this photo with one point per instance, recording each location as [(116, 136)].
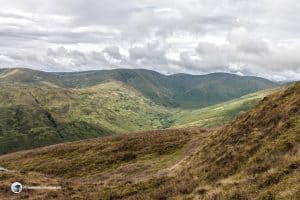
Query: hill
[(41, 108), (256, 156), (219, 114), (35, 116), (179, 90), (100, 163)]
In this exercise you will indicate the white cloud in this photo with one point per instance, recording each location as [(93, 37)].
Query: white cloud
[(259, 37)]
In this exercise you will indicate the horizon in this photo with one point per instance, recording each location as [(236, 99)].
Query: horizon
[(188, 74), (250, 38)]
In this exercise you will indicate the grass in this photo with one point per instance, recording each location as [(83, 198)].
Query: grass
[(179, 90), (218, 114), (108, 163), (38, 116), (34, 116), (256, 156), (40, 108)]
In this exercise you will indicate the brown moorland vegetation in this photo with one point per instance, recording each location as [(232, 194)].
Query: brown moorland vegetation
[(256, 156), (97, 167)]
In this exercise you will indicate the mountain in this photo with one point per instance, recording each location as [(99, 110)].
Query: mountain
[(179, 90), (35, 116), (41, 108), (219, 114), (256, 156)]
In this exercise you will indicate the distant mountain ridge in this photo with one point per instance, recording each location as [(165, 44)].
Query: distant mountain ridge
[(41, 108), (177, 90)]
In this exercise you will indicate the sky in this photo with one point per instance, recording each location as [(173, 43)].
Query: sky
[(245, 37)]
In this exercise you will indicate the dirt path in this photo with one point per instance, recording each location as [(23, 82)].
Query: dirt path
[(188, 152), (6, 170)]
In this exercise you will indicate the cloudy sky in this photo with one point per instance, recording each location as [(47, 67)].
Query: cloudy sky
[(257, 37)]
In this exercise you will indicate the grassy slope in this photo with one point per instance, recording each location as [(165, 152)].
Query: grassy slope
[(218, 114), (39, 108), (254, 157), (101, 163), (37, 116), (257, 155), (180, 90), (205, 90), (33, 116), (185, 91)]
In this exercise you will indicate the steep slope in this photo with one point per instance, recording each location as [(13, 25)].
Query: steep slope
[(179, 90), (205, 90), (257, 156), (219, 114), (254, 157), (33, 116)]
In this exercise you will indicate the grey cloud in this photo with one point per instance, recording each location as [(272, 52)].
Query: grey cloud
[(245, 54), (245, 42), (149, 54), (206, 48), (113, 51), (259, 37), (55, 36)]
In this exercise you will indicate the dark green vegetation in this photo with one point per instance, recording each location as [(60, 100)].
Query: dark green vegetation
[(179, 90), (39, 108), (256, 156)]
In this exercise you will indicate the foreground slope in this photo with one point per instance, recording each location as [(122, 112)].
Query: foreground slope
[(257, 156), (179, 90), (97, 168)]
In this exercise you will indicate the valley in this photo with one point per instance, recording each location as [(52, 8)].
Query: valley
[(40, 108), (255, 156)]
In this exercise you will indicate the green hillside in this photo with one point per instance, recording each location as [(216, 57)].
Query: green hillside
[(40, 108), (179, 90), (256, 156), (219, 114), (36, 116)]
